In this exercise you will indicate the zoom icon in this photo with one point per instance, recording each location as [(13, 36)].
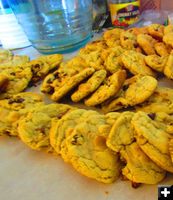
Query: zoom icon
[(165, 192)]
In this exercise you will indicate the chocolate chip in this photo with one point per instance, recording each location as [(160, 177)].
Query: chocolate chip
[(42, 130), (152, 115), (135, 45), (62, 114), (50, 92), (125, 87), (32, 83), (19, 100), (12, 73), (60, 79), (123, 178), (135, 185), (49, 80), (11, 101), (76, 140), (56, 75), (37, 66), (74, 73), (95, 42), (119, 104)]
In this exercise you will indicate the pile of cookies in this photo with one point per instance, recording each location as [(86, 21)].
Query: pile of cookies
[(117, 71), (136, 146), (17, 72)]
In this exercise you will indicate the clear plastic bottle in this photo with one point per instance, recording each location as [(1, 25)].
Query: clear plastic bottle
[(55, 26), (11, 33), (124, 12)]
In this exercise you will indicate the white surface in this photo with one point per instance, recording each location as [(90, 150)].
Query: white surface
[(11, 33), (26, 174)]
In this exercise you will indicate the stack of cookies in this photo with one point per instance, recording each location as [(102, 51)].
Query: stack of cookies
[(119, 70), (17, 72), (136, 145)]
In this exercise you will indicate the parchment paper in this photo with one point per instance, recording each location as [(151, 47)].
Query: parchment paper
[(26, 174)]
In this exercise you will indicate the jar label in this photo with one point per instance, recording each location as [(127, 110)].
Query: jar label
[(124, 14)]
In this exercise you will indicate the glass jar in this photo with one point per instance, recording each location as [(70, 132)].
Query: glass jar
[(55, 26), (124, 12)]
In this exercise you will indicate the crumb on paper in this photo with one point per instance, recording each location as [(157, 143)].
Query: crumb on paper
[(106, 192)]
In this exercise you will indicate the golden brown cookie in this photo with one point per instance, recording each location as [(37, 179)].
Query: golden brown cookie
[(134, 62), (135, 31), (59, 128), (160, 101), (153, 133), (128, 40), (113, 61), (139, 168), (13, 108), (139, 89), (34, 127), (46, 86), (146, 42), (114, 104), (156, 31), (105, 53), (168, 69), (168, 39), (3, 81), (63, 87), (72, 66), (111, 117), (156, 62), (109, 88), (53, 60), (112, 37), (39, 70), (5, 55), (92, 58), (89, 154), (16, 60), (161, 49), (90, 86), (42, 65), (96, 45), (134, 90), (171, 149), (80, 138), (18, 79), (121, 134), (10, 62), (66, 69)]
